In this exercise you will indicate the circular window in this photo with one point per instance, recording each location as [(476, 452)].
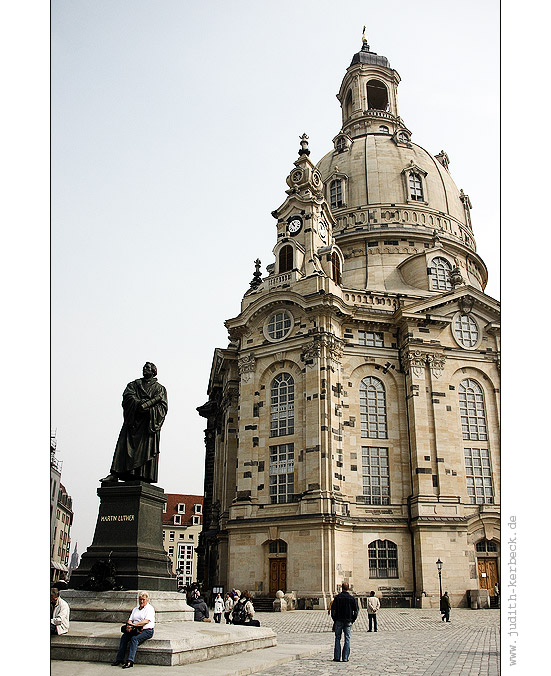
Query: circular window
[(465, 330), (278, 325)]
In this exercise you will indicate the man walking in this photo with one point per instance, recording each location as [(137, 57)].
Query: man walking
[(373, 605), (344, 611)]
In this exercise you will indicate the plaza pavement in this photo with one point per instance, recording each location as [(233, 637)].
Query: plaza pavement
[(410, 642)]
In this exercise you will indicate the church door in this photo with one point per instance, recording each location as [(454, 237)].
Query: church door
[(278, 576), (487, 574)]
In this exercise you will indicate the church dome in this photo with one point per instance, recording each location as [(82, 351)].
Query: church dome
[(375, 170)]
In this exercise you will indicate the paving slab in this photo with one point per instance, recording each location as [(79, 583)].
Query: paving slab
[(242, 664)]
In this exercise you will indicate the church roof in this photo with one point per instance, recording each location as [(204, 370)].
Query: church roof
[(365, 56)]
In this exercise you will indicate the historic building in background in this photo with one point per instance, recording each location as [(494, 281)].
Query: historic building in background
[(353, 419), (182, 523), (61, 517)]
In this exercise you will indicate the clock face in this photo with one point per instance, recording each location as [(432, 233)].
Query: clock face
[(294, 225), (322, 228)]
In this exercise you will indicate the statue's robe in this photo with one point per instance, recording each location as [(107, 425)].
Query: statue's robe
[(137, 450)]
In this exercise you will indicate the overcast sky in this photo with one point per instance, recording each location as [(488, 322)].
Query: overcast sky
[(174, 125)]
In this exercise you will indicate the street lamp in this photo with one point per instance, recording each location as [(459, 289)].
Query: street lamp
[(439, 565)]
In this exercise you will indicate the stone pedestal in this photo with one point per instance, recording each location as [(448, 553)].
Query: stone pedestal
[(129, 533), (115, 606)]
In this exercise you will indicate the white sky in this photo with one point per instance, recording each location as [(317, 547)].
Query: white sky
[(173, 127)]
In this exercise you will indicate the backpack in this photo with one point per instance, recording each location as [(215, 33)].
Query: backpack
[(239, 616)]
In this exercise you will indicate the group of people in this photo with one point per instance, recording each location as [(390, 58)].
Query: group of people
[(237, 608)]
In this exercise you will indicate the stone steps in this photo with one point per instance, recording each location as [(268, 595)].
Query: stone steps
[(173, 643)]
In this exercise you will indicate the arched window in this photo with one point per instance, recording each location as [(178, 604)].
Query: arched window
[(373, 409), (440, 274), (471, 408), (384, 129), (335, 194), (486, 546), (383, 559), (415, 187), (377, 95), (348, 105), (341, 144), (277, 547), (282, 405), (336, 267), (286, 258)]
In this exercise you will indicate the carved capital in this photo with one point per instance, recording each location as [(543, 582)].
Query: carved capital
[(246, 366), (436, 363)]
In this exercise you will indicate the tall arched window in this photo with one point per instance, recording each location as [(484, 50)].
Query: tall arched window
[(478, 470), (335, 194), (377, 95), (286, 258), (440, 274), (373, 409), (348, 104), (415, 187), (336, 267), (383, 559), (282, 405), (471, 408)]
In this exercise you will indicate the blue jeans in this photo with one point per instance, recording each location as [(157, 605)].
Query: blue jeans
[(341, 626), (372, 621), (134, 642)]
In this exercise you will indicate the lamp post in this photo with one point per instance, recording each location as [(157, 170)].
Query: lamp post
[(439, 565)]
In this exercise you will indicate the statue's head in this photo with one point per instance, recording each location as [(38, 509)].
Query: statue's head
[(149, 369)]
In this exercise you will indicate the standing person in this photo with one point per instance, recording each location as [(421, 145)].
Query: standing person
[(139, 628), (373, 605), (344, 611), (445, 606), (59, 622), (228, 605), (218, 608)]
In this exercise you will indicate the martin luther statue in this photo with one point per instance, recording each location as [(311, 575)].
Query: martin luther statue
[(145, 405)]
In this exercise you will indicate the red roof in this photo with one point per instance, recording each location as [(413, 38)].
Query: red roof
[(172, 502)]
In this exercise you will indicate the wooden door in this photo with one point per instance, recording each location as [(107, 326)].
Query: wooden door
[(278, 576), (487, 574)]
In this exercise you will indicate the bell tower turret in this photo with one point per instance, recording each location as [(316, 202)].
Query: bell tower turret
[(368, 94), (304, 221)]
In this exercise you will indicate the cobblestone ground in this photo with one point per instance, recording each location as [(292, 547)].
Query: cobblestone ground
[(408, 643)]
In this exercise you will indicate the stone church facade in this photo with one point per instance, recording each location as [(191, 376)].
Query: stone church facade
[(353, 419)]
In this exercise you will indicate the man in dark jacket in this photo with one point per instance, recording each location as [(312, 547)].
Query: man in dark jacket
[(344, 611), (201, 612)]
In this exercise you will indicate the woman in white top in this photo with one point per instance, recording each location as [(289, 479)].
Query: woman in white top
[(218, 608), (228, 605), (138, 629)]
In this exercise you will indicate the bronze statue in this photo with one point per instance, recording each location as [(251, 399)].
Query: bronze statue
[(145, 405)]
